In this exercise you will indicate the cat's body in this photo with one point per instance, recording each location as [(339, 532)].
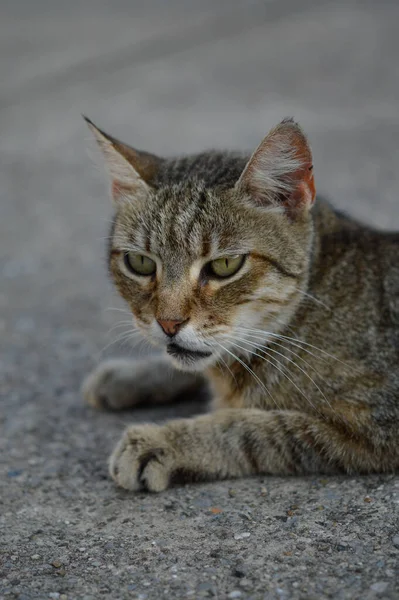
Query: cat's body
[(300, 342)]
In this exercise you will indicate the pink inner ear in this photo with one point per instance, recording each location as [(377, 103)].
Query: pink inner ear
[(309, 181), (304, 190), (305, 176), (119, 190), (304, 193), (281, 171)]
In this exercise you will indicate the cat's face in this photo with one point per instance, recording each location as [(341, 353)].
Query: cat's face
[(197, 267), (203, 267)]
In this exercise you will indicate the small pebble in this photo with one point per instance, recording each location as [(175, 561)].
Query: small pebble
[(54, 595), (241, 536), (56, 564), (245, 583), (35, 557), (389, 573), (14, 473), (245, 516), (367, 499), (341, 545), (379, 587), (395, 541), (239, 571), (206, 589), (215, 510), (232, 493), (235, 594)]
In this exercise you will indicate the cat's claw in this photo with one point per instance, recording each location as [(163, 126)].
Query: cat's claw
[(142, 460)]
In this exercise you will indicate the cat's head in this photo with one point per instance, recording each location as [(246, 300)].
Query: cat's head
[(213, 249)]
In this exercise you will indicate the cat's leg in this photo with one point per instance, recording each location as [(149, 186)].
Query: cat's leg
[(236, 443), (117, 384)]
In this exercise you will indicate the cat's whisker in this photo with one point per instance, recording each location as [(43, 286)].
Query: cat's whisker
[(284, 347), (273, 341), (228, 368), (267, 336), (121, 338), (249, 371), (281, 370), (296, 341), (105, 220), (220, 357), (284, 324), (117, 325), (123, 310), (313, 298), (126, 334), (263, 348), (140, 344)]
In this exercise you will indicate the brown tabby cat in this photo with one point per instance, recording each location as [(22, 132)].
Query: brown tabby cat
[(290, 310)]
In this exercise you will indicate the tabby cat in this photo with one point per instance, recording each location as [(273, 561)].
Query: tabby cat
[(288, 309)]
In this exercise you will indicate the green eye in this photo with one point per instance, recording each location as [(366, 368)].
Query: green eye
[(226, 266), (140, 264)]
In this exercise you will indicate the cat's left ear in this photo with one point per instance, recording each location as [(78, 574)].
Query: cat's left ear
[(131, 171), (280, 171)]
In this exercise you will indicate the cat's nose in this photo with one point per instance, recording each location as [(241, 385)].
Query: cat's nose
[(171, 326)]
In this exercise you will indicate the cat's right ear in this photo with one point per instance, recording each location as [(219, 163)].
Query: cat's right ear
[(131, 171), (280, 171)]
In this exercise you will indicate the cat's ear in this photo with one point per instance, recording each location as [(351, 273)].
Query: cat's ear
[(131, 171), (280, 171)]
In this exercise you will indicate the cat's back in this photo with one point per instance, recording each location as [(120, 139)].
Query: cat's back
[(340, 237), (356, 274)]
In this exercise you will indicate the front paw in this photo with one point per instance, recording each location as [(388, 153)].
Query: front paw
[(143, 459), (112, 385)]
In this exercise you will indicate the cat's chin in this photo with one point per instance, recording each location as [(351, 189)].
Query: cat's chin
[(189, 360)]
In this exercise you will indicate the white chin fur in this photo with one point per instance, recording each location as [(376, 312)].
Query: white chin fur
[(197, 365)]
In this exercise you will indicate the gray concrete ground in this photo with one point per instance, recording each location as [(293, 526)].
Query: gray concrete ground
[(170, 77)]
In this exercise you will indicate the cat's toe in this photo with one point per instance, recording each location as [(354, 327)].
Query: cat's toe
[(142, 460)]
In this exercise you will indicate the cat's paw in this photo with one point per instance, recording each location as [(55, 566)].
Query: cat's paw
[(111, 385), (143, 459)]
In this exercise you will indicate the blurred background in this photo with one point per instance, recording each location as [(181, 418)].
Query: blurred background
[(167, 76)]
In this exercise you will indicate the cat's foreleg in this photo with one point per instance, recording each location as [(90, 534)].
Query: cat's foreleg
[(224, 444), (236, 443), (117, 384)]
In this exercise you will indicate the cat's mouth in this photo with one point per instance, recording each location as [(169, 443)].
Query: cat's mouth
[(185, 355)]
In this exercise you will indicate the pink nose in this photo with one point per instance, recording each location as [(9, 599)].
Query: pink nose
[(171, 326)]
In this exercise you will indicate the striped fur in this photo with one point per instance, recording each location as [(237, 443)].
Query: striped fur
[(302, 342)]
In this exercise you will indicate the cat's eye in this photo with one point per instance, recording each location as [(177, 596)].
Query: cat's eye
[(139, 264), (226, 266)]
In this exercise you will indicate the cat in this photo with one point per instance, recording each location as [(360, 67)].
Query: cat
[(286, 307)]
